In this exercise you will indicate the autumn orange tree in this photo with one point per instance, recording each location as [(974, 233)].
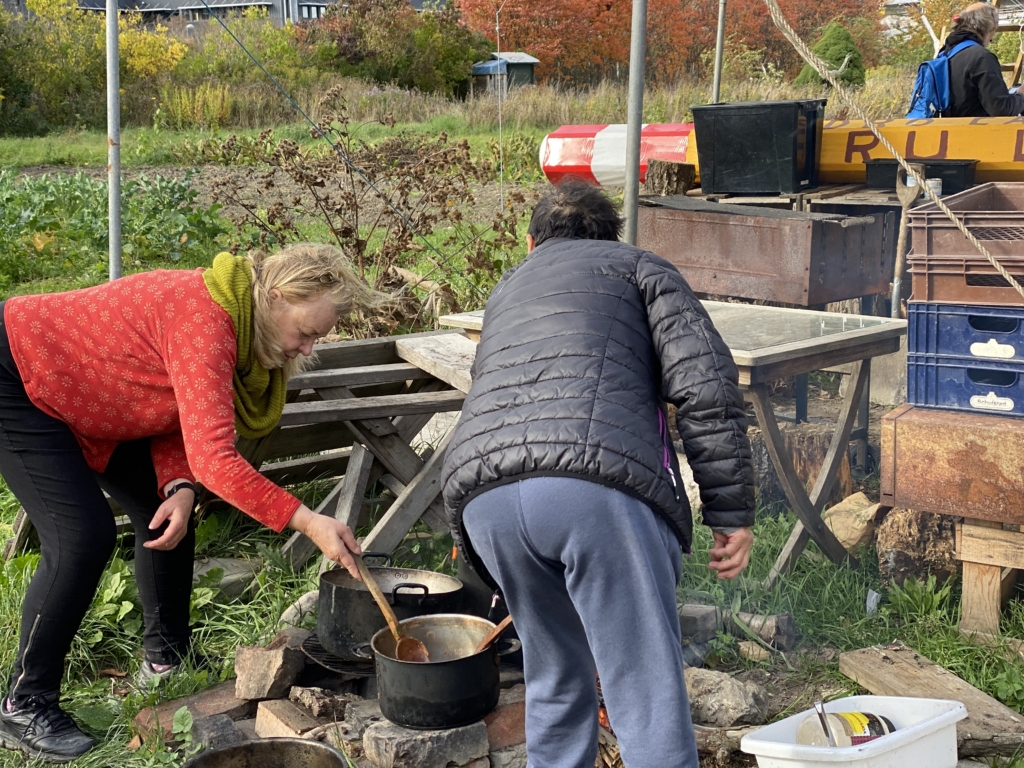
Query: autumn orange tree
[(583, 40)]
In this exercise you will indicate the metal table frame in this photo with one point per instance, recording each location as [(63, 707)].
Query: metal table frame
[(757, 368)]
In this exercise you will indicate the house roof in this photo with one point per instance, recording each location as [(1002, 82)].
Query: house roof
[(516, 57)]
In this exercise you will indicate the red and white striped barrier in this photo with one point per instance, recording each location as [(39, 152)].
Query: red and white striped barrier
[(597, 153)]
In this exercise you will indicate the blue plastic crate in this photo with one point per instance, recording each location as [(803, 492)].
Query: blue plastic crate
[(965, 330), (962, 384)]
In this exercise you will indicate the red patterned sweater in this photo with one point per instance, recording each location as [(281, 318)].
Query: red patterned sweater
[(150, 355)]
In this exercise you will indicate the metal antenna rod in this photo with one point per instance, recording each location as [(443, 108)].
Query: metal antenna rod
[(113, 141), (502, 84)]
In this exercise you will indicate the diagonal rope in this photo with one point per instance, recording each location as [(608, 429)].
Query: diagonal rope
[(405, 220), (846, 98)]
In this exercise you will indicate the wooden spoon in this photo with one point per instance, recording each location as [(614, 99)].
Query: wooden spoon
[(493, 634), (406, 648)]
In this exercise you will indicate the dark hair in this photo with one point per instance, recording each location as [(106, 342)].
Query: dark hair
[(575, 209)]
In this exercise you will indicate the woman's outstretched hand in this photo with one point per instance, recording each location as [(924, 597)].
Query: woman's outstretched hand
[(177, 509), (332, 537)]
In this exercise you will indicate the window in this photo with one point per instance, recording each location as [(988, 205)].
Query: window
[(305, 11)]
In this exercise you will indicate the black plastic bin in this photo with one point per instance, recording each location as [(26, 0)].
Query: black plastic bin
[(956, 175), (759, 147)]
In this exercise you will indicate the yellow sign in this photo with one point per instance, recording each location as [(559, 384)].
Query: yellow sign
[(997, 142)]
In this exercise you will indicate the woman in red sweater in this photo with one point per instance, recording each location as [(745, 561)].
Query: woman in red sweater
[(138, 388)]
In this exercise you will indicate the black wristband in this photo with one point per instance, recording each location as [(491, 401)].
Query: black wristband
[(179, 486)]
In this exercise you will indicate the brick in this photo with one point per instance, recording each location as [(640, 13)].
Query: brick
[(699, 623), (268, 673), (217, 700), (482, 762), (282, 718), (391, 746), (321, 702), (506, 725), (216, 732)]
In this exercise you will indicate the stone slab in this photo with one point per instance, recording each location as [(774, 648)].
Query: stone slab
[(217, 700)]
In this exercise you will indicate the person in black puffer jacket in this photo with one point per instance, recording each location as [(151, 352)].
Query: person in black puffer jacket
[(976, 85), (563, 487)]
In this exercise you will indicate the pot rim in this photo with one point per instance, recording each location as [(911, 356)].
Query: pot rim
[(341, 579), (426, 619)]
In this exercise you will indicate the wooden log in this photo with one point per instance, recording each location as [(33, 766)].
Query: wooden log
[(991, 728), (666, 177), (807, 444), (372, 407), (720, 741), (448, 358)]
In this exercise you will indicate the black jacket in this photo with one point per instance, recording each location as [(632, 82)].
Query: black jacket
[(581, 344), (976, 85)]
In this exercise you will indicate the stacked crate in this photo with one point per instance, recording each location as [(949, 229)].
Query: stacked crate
[(965, 338)]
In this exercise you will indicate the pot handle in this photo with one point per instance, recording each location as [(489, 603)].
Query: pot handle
[(410, 585), (379, 556), (507, 645), (363, 651)]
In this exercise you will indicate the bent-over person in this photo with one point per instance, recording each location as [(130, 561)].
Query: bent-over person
[(563, 486)]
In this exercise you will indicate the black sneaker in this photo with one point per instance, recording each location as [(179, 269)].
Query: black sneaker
[(41, 729)]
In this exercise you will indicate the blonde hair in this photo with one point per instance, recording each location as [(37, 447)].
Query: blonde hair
[(303, 272), (980, 18)]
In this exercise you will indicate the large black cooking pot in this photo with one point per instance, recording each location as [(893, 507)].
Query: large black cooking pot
[(455, 688), (348, 617), (271, 753)]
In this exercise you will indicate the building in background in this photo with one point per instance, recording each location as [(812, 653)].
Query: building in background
[(503, 71)]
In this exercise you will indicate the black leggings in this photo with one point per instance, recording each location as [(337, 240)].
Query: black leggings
[(43, 465)]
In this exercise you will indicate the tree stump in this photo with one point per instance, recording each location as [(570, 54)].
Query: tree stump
[(913, 543), (807, 444), (665, 177)]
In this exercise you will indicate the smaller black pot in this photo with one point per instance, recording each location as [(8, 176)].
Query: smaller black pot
[(455, 688)]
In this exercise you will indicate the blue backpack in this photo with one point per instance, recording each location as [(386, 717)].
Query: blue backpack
[(931, 88)]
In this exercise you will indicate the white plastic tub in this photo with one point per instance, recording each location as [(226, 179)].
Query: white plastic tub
[(925, 736)]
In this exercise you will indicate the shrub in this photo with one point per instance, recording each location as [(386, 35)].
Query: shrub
[(835, 45), (18, 115)]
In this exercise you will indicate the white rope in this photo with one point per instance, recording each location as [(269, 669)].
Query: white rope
[(847, 99)]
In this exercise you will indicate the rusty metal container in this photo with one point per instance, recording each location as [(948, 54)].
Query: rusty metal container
[(953, 462), (794, 257)]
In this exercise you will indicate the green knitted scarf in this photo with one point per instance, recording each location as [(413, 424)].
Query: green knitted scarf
[(259, 393)]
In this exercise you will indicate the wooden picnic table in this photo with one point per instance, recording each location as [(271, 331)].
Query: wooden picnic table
[(767, 343)]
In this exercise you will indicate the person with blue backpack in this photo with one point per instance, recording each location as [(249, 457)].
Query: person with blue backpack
[(965, 78)]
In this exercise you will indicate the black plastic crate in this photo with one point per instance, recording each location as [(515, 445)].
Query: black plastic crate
[(759, 147), (956, 175)]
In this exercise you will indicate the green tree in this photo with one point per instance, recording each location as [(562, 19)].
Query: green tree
[(18, 114), (835, 45)]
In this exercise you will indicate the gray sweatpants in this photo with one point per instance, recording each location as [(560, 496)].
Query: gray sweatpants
[(589, 576)]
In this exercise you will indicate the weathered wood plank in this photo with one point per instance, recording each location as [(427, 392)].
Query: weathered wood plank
[(409, 506), (434, 516), (990, 545), (310, 468), (372, 407), (980, 605), (448, 358), (308, 438), (358, 352), (991, 728), (362, 375)]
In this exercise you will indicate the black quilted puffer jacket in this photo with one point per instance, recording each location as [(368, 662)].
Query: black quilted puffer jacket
[(580, 346)]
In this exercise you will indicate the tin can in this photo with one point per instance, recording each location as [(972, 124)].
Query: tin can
[(848, 729)]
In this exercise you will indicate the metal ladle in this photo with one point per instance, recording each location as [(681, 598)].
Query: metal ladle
[(406, 648)]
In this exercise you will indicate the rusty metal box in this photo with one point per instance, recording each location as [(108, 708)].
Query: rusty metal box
[(794, 257), (952, 462)]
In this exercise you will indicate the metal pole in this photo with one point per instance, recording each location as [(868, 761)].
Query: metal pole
[(113, 140), (716, 90), (634, 116)]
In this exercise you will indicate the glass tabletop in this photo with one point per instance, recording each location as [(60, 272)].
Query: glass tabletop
[(749, 327)]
